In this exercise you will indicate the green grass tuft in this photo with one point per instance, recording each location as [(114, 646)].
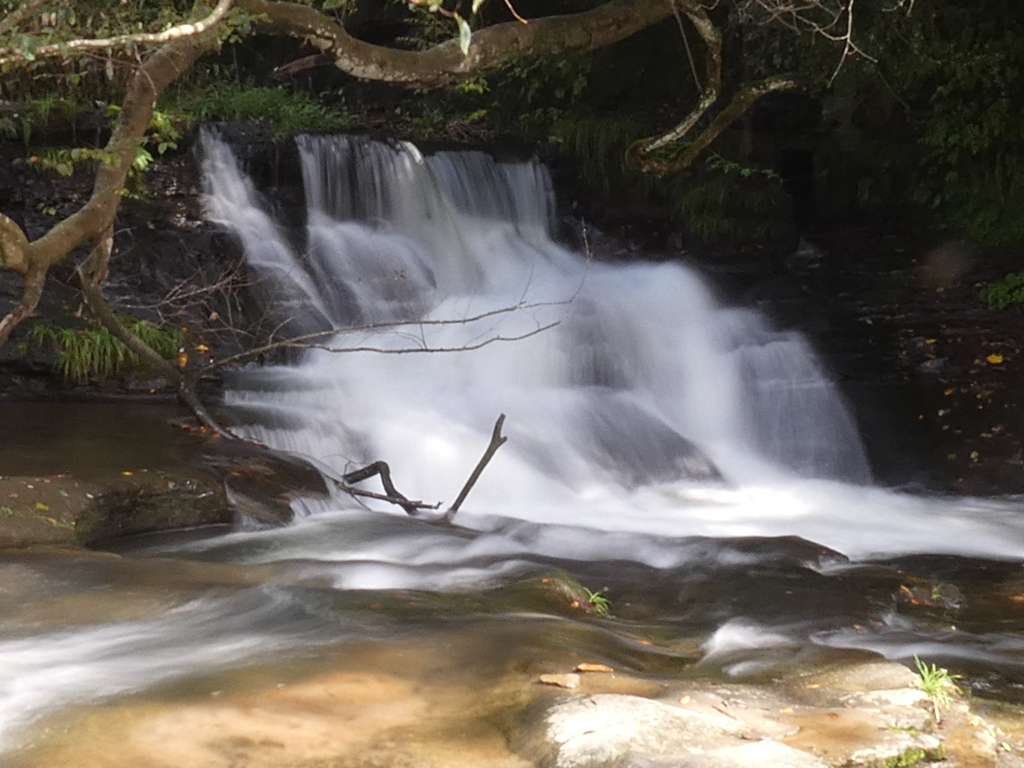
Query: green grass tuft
[(94, 351), (938, 684)]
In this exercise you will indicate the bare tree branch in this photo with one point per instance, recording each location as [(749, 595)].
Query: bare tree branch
[(9, 55), (305, 341), (13, 19), (289, 344), (497, 440)]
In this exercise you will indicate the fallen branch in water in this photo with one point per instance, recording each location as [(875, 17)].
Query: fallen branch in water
[(393, 496), (496, 442)]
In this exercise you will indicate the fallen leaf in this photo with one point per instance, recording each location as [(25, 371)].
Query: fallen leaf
[(786, 711), (994, 359), (833, 715), (568, 680), (811, 686), (127, 473), (587, 666), (42, 507)]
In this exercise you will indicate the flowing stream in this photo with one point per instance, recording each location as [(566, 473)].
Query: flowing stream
[(687, 457)]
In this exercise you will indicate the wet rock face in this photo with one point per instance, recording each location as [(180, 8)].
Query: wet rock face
[(261, 482), (171, 504), (63, 510)]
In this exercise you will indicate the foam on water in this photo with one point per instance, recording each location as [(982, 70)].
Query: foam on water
[(638, 382)]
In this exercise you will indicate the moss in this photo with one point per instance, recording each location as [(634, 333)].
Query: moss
[(913, 756)]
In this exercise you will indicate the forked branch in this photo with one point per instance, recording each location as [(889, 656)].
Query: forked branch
[(393, 496)]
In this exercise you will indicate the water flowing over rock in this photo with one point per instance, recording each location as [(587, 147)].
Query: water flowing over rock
[(620, 374)]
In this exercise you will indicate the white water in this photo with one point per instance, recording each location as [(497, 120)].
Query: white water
[(604, 409)]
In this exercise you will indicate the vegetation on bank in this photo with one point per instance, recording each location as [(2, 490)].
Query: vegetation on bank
[(93, 351)]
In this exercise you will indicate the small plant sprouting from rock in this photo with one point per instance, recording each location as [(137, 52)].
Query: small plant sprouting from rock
[(578, 595), (599, 601), (938, 684)]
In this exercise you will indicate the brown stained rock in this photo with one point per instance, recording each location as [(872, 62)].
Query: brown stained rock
[(262, 482), (338, 719), (864, 715)]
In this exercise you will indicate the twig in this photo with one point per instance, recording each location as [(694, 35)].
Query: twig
[(496, 442), (403, 502), (291, 344), (686, 44), (515, 13)]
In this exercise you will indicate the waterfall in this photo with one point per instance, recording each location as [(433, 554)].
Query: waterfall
[(612, 376)]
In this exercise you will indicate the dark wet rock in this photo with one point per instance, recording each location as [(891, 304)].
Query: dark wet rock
[(163, 504), (262, 482), (637, 447)]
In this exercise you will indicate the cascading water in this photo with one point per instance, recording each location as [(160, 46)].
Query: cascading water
[(636, 403), (656, 440), (631, 373)]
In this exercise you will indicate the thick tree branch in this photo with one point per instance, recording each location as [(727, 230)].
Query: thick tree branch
[(30, 295), (709, 92), (13, 245), (105, 315), (640, 153), (11, 55), (740, 103), (94, 220), (490, 47)]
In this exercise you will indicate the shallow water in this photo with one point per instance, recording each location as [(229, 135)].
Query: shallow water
[(93, 440)]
